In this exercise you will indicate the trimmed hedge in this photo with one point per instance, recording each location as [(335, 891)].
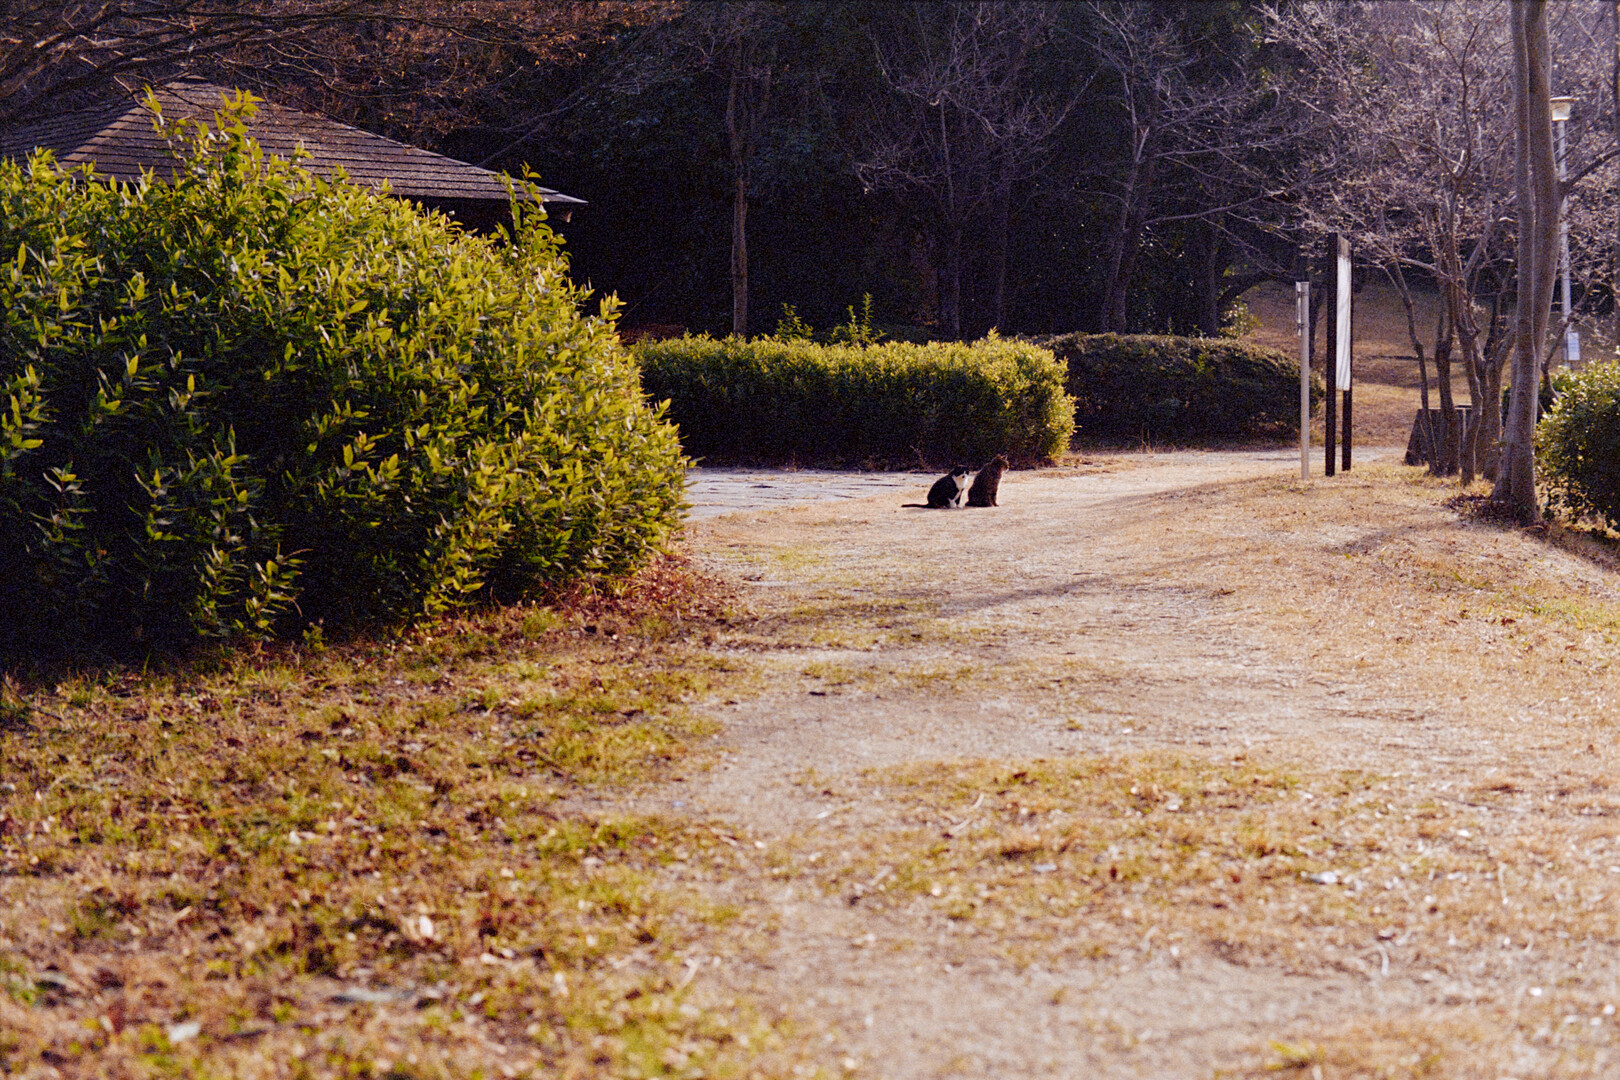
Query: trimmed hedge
[(886, 405), (1143, 385), (1578, 443), (251, 399)]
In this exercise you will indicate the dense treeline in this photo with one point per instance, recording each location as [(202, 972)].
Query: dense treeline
[(1033, 167), (969, 165)]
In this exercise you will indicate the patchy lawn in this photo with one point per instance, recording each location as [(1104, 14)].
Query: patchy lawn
[(360, 861)]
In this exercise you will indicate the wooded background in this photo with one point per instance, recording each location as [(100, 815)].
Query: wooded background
[(1033, 167)]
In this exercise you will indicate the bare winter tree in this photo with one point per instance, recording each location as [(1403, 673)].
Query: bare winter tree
[(1421, 175), (738, 42), (1203, 133), (962, 124), (51, 50), (418, 71)]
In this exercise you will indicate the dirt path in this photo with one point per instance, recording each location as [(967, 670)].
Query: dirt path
[(1202, 604)]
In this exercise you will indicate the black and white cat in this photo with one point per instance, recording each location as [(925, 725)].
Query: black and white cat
[(947, 490)]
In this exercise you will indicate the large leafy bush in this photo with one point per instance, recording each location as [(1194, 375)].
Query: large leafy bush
[(1149, 386), (889, 404), (251, 398), (1578, 443)]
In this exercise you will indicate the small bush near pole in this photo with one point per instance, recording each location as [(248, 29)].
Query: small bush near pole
[(1578, 444)]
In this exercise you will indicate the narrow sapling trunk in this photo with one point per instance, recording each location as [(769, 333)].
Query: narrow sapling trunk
[(739, 256), (1126, 242), (950, 293), (748, 101), (1000, 229), (1458, 300), (1614, 86), (739, 203), (1427, 441), (1497, 345), (1445, 463)]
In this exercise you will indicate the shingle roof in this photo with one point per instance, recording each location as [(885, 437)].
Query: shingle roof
[(119, 138)]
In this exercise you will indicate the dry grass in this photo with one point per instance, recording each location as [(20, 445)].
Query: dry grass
[(1250, 861), (1500, 901), (362, 861), (1474, 873)]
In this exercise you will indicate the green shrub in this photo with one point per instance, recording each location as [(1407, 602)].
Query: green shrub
[(252, 399), (889, 404), (1148, 386), (1578, 444)]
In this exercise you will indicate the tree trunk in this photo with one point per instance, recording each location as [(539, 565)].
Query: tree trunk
[(1207, 267), (748, 100), (736, 132), (1490, 432), (950, 291), (950, 283), (1127, 240), (1537, 199), (739, 255), (1000, 227), (1614, 80), (1431, 446), (1445, 463), (1458, 300), (1489, 443)]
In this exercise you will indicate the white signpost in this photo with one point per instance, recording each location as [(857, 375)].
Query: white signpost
[(1341, 347), (1338, 367)]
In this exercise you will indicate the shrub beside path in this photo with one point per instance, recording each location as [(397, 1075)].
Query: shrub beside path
[(1171, 764)]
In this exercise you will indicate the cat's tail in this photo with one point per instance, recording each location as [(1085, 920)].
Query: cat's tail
[(920, 506)]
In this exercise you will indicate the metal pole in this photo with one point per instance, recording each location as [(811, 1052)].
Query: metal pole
[(1563, 242), (1330, 414), (1302, 317)]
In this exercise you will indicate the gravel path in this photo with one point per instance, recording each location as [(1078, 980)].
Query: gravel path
[(714, 492), (1102, 578)]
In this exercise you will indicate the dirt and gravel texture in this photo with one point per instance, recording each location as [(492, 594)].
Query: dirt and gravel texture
[(1171, 765)]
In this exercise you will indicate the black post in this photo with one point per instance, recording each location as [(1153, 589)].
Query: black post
[(1347, 420), (1330, 417)]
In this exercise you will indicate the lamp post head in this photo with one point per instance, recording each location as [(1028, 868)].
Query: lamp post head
[(1560, 108)]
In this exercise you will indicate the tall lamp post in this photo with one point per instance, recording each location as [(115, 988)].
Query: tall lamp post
[(1571, 351)]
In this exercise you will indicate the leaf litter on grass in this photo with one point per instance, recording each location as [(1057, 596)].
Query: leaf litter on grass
[(366, 860)]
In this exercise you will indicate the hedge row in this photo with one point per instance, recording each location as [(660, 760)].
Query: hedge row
[(251, 399), (1148, 386), (885, 405)]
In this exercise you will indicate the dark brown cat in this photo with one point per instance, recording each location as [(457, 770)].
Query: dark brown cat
[(987, 483)]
